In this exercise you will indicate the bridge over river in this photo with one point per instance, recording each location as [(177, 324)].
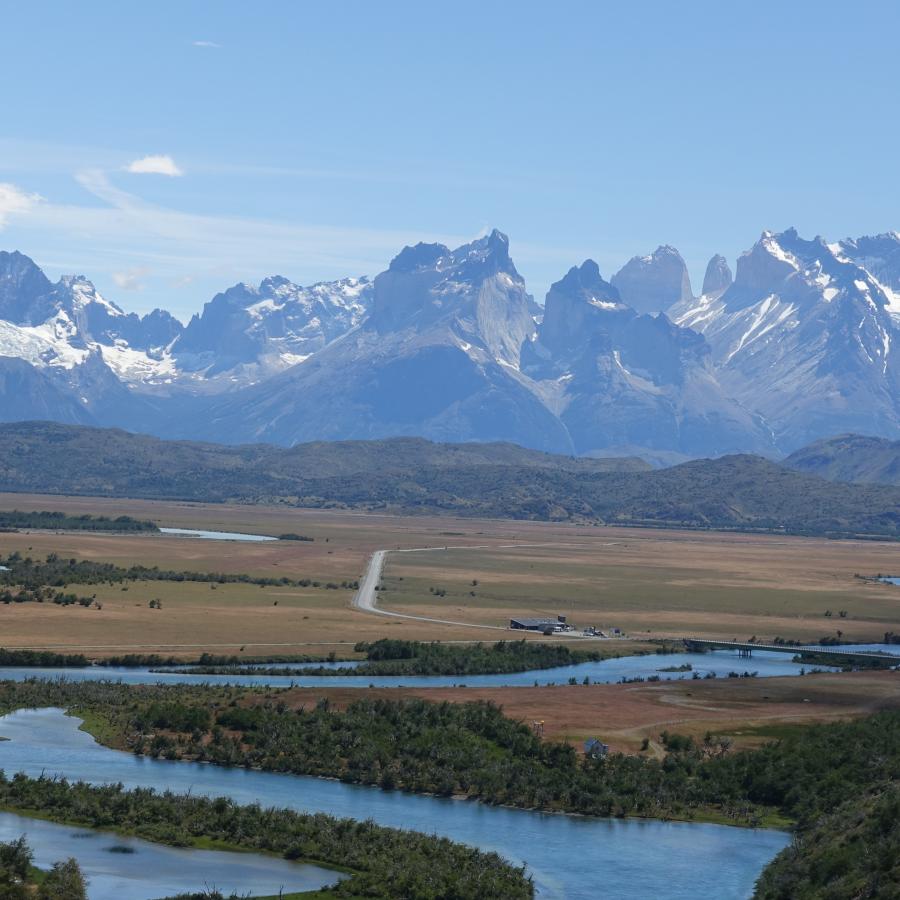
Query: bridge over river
[(746, 648)]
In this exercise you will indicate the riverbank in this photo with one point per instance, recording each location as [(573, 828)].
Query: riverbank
[(382, 862), (679, 861)]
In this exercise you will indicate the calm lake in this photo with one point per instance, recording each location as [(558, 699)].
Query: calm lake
[(140, 870), (570, 857), (216, 535)]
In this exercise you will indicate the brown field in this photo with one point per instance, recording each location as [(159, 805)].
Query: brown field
[(662, 583), (649, 582), (750, 711)]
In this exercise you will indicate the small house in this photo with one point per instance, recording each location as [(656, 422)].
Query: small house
[(595, 749), (544, 625)]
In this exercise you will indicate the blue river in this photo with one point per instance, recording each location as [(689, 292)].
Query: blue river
[(569, 857), (126, 868), (608, 671)]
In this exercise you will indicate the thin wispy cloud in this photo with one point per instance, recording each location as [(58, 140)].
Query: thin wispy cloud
[(14, 200), (177, 248), (130, 279), (212, 45), (155, 164), (127, 232)]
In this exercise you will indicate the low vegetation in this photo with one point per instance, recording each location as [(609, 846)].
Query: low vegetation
[(44, 595), (835, 783), (20, 880), (398, 657), (210, 663), (57, 521), (384, 862), (56, 571), (41, 658)]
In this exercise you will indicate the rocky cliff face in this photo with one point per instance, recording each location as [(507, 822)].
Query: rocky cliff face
[(24, 290), (438, 357), (880, 257), (718, 277), (619, 379), (268, 328), (805, 338), (448, 344), (653, 283)]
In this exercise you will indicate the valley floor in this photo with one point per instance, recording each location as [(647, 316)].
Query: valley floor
[(650, 583)]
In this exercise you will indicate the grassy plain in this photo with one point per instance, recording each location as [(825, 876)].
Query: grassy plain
[(651, 583), (749, 710), (661, 583)]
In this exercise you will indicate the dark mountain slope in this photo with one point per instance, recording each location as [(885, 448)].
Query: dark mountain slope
[(850, 457), (414, 475), (53, 458), (27, 392)]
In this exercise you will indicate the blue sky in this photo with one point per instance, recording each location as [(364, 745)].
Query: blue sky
[(314, 140)]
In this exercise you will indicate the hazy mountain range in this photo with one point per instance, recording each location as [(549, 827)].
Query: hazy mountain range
[(800, 344), (411, 475)]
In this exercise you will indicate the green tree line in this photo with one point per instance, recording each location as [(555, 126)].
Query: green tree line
[(385, 862), (474, 750), (58, 521), (56, 571), (398, 657)]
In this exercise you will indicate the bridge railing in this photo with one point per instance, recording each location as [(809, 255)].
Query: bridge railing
[(791, 648)]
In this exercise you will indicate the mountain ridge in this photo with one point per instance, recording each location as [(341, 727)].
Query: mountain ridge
[(853, 458), (414, 476), (449, 345)]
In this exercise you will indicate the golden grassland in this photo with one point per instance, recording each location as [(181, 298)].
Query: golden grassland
[(749, 710), (651, 583), (662, 583)]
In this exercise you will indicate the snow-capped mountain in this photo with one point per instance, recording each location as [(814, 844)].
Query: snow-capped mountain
[(242, 335), (80, 349), (620, 380), (439, 356), (805, 338), (258, 331), (880, 256), (449, 345)]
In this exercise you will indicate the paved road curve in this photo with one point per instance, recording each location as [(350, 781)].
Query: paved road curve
[(366, 597)]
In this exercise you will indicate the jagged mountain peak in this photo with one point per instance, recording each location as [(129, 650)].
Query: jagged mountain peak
[(576, 307), (806, 272), (17, 270), (619, 377), (478, 257), (586, 281), (24, 290), (654, 282), (804, 336), (76, 292), (419, 256), (445, 343), (277, 324), (491, 250), (880, 256), (473, 291), (718, 277)]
